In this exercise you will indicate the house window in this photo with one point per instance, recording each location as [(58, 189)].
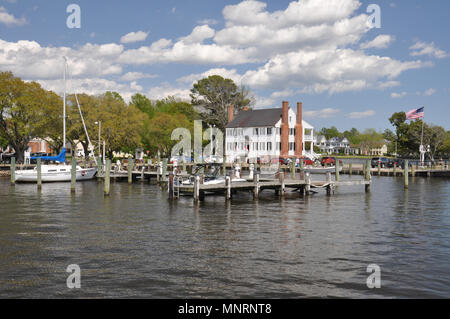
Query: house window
[(269, 131), (278, 131), (263, 131), (269, 146), (262, 146), (256, 131)]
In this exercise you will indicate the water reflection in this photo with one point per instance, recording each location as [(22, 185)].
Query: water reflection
[(137, 243)]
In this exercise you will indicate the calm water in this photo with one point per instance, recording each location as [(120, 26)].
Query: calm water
[(138, 244)]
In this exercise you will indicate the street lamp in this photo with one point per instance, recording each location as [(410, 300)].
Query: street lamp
[(99, 123)]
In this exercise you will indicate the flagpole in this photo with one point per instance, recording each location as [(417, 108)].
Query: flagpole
[(422, 149)]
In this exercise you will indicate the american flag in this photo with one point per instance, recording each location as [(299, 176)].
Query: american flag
[(415, 114)]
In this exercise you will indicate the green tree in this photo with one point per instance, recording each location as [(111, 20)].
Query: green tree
[(121, 124), (24, 107), (214, 94), (144, 104), (330, 132), (158, 131)]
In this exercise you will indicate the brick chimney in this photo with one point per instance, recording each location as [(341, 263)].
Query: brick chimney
[(230, 113), (284, 130), (299, 132)]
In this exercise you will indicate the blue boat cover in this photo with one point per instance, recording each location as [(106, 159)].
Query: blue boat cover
[(60, 158)]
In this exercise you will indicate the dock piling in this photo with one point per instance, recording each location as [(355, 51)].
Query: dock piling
[(73, 175), (350, 169), (228, 187), (39, 173), (170, 185), (406, 174), (13, 170), (367, 175), (107, 183), (308, 183), (256, 188), (328, 176), (130, 171), (337, 170), (164, 170)]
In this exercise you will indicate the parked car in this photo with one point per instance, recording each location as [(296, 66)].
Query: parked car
[(307, 161), (6, 157), (383, 161), (327, 160), (397, 161)]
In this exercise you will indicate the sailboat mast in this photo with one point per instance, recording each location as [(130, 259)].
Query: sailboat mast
[(64, 104)]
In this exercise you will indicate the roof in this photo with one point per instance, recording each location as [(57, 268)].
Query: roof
[(259, 118), (256, 118)]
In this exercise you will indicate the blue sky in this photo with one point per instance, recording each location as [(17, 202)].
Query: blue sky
[(319, 52)]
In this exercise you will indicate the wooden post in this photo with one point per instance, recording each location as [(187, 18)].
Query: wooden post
[(379, 169), (395, 170), (308, 183), (130, 170), (224, 166), (99, 167), (281, 180), (13, 170), (292, 168), (73, 175), (329, 183), (170, 185), (406, 174), (142, 174), (367, 175), (164, 170), (228, 186), (337, 170), (256, 188), (350, 169), (413, 171), (184, 164), (39, 173), (107, 182), (196, 188)]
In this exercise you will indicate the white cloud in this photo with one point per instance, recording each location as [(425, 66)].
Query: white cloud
[(27, 59), (284, 93), (359, 115), (9, 20), (134, 37), (430, 49), (429, 92), (207, 21), (327, 70), (380, 42), (398, 95), (133, 76), (324, 113), (264, 102), (165, 90), (199, 34), (225, 73), (92, 86)]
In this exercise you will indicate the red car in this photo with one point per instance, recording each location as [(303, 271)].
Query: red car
[(329, 161)]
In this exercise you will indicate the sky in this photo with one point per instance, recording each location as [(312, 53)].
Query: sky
[(349, 66)]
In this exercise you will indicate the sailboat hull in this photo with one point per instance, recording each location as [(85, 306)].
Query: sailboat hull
[(58, 173)]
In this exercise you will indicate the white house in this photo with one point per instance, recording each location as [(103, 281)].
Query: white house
[(268, 133), (335, 145)]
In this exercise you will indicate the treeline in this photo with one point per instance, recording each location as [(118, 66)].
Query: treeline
[(403, 141), (28, 111)]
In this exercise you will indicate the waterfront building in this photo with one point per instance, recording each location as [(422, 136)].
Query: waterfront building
[(268, 133)]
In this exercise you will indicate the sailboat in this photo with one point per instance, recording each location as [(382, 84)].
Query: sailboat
[(62, 172)]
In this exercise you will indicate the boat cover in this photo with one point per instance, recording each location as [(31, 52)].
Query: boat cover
[(60, 158)]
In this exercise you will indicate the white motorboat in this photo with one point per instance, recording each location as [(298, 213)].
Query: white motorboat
[(62, 172), (55, 173)]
